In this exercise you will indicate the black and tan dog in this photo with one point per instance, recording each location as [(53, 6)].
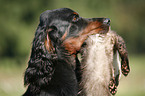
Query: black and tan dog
[(59, 36)]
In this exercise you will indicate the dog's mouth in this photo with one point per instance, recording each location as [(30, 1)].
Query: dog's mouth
[(100, 30), (97, 27), (100, 26)]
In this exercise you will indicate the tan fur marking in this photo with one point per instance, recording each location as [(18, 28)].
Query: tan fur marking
[(48, 44), (64, 36)]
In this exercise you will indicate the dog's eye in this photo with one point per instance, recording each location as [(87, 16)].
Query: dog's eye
[(75, 18)]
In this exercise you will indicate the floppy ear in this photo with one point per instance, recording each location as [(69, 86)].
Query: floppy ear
[(121, 47), (40, 68)]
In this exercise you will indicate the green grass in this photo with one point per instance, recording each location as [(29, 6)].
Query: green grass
[(11, 78), (134, 83)]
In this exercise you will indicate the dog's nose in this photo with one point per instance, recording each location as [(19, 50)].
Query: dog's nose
[(106, 21)]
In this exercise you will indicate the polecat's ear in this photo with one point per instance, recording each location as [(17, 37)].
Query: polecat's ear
[(121, 47)]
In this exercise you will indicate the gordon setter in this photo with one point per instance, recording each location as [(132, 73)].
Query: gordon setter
[(58, 38)]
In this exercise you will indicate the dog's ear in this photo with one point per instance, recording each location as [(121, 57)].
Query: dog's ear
[(40, 67), (121, 47)]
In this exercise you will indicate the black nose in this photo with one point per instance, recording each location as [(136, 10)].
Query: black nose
[(106, 21)]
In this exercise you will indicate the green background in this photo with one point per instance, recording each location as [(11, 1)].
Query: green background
[(19, 20)]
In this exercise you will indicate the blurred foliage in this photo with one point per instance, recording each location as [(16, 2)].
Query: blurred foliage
[(19, 19)]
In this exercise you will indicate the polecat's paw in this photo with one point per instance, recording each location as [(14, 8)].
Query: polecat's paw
[(112, 87), (125, 69)]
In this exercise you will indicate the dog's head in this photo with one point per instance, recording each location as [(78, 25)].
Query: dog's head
[(65, 27)]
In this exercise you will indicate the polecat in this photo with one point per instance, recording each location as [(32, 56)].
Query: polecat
[(100, 65)]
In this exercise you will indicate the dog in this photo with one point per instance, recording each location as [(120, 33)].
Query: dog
[(100, 65), (52, 69)]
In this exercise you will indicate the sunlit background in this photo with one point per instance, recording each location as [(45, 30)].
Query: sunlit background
[(19, 20)]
